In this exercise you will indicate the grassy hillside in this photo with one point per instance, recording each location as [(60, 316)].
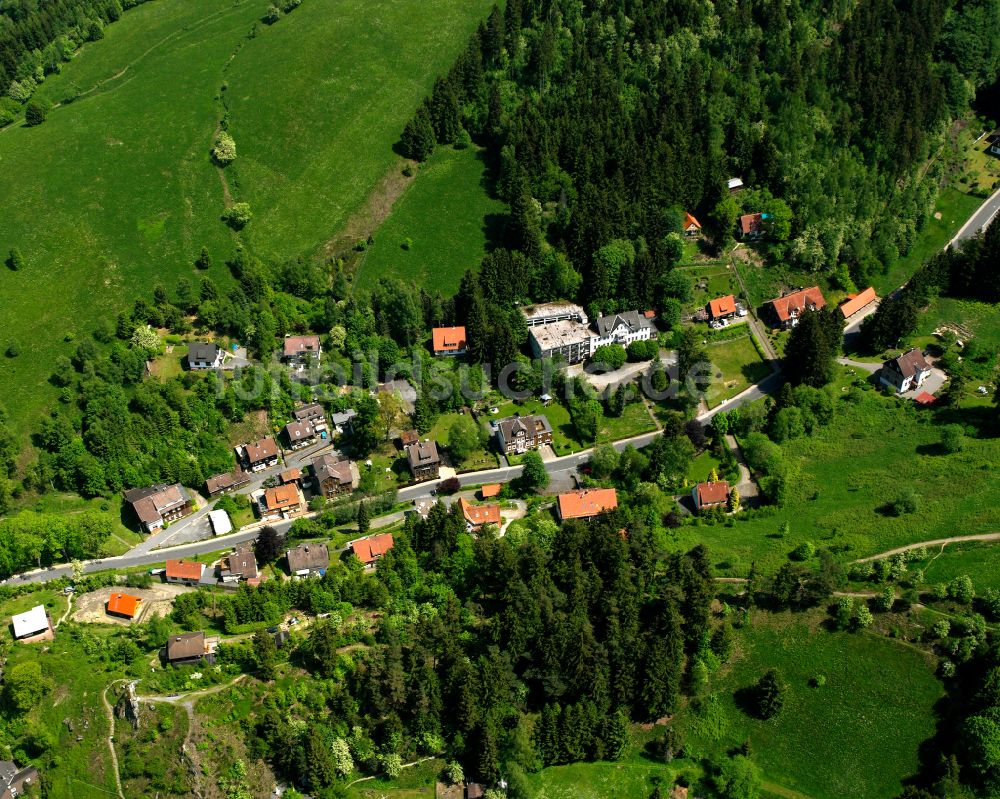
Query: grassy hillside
[(844, 474), (448, 216), (856, 735), (115, 191)]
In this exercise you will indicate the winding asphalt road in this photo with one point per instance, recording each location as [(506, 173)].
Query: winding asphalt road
[(143, 555)]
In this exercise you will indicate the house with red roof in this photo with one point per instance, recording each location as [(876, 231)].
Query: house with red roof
[(691, 226), (186, 572), (786, 310), (300, 351), (478, 515), (711, 495), (855, 303), (371, 548), (586, 503), (722, 308), (124, 605), (449, 340)]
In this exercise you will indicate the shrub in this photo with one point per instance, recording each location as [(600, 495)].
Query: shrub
[(952, 438), (237, 216), (15, 260), (817, 680), (224, 151), (35, 112), (407, 243), (864, 618), (941, 628), (906, 502), (610, 355), (803, 551), (13, 350), (290, 5), (961, 589), (272, 15), (463, 140), (639, 351)]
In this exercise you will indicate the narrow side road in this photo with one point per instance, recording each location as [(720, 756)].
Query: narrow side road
[(943, 542)]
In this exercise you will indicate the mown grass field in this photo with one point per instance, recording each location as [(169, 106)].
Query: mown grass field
[(447, 214), (844, 474), (116, 192), (858, 735), (736, 367)]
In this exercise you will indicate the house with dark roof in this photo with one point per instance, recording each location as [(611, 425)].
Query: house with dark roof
[(202, 356), (622, 328), (424, 460), (227, 483), (786, 310), (691, 226), (711, 495), (371, 548), (334, 475), (449, 341), (401, 388), (311, 412), (160, 504), (259, 455), (299, 435), (586, 503), (342, 419), (187, 648), (521, 433), (15, 782), (239, 565), (300, 351), (306, 559), (906, 372)]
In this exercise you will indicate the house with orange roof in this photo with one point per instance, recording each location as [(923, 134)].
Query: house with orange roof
[(786, 310), (124, 605), (371, 548), (280, 502), (478, 515), (722, 308), (449, 340), (855, 303), (586, 503), (490, 490), (711, 495), (752, 226), (691, 226), (186, 572)]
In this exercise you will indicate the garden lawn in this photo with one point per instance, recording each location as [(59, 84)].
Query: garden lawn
[(701, 467), (122, 176), (858, 735), (843, 475), (600, 780), (448, 217), (708, 283), (482, 458), (736, 367), (634, 421)]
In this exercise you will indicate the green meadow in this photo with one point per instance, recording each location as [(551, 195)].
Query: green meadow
[(856, 735), (843, 475), (439, 228), (122, 178)]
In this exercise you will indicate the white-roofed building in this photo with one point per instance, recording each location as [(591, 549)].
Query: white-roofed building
[(220, 522), (33, 625)]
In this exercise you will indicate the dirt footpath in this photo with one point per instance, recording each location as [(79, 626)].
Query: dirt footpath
[(158, 599)]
